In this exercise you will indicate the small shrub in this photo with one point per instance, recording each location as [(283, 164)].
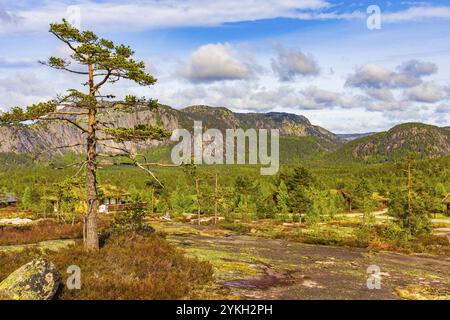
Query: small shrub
[(394, 232), (364, 234), (324, 237), (131, 220), (233, 226)]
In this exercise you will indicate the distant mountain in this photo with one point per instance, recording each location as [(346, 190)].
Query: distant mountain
[(289, 124), (352, 136), (426, 141), (46, 137)]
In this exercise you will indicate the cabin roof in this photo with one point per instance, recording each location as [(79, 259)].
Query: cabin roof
[(8, 198), (108, 190)]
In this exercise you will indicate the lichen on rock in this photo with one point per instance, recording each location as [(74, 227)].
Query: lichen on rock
[(36, 280)]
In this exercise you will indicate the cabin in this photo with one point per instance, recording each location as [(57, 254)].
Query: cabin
[(8, 199), (446, 201), (119, 203), (112, 199)]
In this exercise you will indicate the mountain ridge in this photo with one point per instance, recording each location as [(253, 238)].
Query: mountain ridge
[(424, 140), (42, 137), (297, 134)]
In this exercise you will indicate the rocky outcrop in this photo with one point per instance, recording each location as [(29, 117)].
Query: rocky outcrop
[(36, 280), (15, 221), (46, 137)]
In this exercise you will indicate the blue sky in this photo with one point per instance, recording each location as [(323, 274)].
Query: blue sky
[(317, 58)]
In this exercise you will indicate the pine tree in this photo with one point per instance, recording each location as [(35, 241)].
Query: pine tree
[(99, 61), (30, 198), (364, 197), (282, 199)]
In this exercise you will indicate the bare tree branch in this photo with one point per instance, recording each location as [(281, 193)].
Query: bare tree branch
[(64, 119)]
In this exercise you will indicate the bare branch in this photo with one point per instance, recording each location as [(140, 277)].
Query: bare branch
[(105, 79), (64, 119), (132, 158), (69, 44), (80, 168), (156, 164), (70, 146), (149, 172), (116, 148), (62, 68), (69, 113)]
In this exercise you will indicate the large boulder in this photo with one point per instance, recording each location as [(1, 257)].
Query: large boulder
[(36, 280)]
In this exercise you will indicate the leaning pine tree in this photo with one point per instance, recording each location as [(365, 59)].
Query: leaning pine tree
[(101, 62)]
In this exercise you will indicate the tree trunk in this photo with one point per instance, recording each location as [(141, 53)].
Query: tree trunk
[(153, 201), (198, 199), (91, 175), (215, 201)]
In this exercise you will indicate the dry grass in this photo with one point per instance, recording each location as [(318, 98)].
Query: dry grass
[(14, 212), (41, 231), (142, 267)]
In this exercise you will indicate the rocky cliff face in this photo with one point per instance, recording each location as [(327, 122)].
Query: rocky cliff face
[(48, 137)]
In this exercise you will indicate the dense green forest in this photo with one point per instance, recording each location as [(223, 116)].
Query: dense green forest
[(312, 189)]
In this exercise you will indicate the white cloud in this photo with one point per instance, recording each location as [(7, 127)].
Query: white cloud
[(290, 64), (135, 15), (214, 62), (23, 88), (418, 68), (417, 13), (375, 76), (370, 76), (138, 15), (315, 98), (380, 94), (426, 92), (409, 74)]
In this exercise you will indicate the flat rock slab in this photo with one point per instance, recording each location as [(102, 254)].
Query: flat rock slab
[(44, 245), (15, 222), (250, 267)]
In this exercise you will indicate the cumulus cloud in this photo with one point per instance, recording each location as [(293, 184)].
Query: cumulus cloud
[(214, 62), (408, 74), (416, 68), (426, 92), (316, 98), (290, 64), (253, 96), (375, 76)]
